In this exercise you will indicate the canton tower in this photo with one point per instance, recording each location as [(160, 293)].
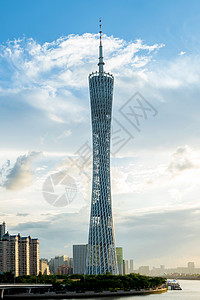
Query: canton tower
[(101, 257)]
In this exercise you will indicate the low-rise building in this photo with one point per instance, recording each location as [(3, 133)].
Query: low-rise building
[(58, 261), (64, 270)]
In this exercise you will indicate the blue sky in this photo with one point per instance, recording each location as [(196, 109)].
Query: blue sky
[(176, 22), (47, 50)]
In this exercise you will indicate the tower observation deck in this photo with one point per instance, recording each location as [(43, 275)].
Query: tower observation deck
[(101, 257)]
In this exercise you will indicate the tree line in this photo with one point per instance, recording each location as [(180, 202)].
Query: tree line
[(82, 283)]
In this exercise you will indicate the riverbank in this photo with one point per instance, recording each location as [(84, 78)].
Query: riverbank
[(182, 277), (70, 295)]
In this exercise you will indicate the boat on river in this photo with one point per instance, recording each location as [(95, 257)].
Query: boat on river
[(173, 285)]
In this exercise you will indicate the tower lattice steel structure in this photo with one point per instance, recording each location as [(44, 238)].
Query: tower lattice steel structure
[(101, 256)]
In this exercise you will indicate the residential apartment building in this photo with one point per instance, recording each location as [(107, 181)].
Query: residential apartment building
[(19, 254)]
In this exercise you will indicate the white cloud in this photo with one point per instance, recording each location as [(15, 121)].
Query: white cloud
[(20, 175), (49, 76), (180, 161), (64, 135), (56, 118)]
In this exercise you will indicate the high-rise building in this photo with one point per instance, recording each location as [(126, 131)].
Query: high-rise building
[(101, 242), (44, 267), (2, 230), (191, 267), (24, 255), (131, 266), (34, 256), (119, 253), (79, 258), (9, 254), (126, 267), (19, 254)]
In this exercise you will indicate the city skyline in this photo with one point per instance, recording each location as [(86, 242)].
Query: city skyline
[(79, 254), (45, 120)]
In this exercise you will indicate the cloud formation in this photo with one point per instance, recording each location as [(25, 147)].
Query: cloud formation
[(161, 231), (180, 161), (20, 175), (49, 77), (164, 232), (64, 135)]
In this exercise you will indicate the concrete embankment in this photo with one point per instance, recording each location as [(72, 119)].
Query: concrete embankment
[(70, 295)]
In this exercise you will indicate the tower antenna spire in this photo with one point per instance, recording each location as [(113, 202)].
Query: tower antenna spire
[(101, 63), (100, 32)]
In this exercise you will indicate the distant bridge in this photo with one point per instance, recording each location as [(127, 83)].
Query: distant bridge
[(28, 286)]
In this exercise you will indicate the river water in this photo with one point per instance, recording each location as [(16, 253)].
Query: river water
[(190, 291)]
